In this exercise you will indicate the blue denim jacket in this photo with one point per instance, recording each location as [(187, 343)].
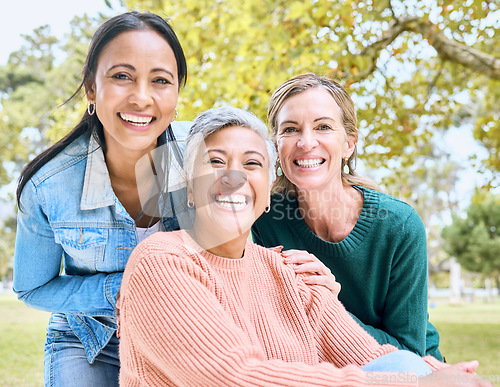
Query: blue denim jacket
[(70, 213)]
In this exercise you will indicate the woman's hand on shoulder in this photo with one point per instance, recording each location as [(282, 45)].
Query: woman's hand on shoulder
[(312, 270)]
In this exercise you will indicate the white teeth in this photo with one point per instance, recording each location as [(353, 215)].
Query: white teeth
[(136, 120), (309, 163), (231, 201)]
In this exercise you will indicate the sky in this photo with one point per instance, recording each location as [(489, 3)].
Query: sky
[(21, 17)]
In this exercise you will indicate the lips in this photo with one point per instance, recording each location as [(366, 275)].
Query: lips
[(136, 120), (309, 163)]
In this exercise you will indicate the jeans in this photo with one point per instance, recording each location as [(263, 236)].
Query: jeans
[(66, 362), (399, 361)]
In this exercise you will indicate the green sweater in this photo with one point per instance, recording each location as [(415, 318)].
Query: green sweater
[(381, 265)]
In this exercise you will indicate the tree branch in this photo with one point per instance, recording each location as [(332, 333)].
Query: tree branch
[(447, 49), (457, 52), (396, 28)]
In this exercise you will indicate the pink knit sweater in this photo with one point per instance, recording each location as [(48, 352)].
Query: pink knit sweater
[(190, 318)]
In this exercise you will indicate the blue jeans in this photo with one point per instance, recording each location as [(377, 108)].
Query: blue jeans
[(66, 362), (399, 361)]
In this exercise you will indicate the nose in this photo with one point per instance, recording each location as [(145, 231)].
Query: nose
[(141, 95), (230, 180), (307, 140)]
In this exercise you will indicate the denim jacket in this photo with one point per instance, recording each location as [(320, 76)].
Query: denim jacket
[(70, 213)]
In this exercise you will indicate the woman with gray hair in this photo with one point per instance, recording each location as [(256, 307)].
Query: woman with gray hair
[(207, 307)]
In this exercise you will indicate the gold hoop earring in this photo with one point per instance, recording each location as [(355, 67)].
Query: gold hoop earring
[(91, 109), (267, 209), (176, 114), (346, 165)]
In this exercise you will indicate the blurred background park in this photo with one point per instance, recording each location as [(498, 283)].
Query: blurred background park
[(424, 75)]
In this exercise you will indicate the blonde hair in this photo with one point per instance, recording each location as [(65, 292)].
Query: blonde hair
[(308, 81)]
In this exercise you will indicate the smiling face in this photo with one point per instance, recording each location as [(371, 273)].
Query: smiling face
[(135, 91), (230, 187), (311, 140)]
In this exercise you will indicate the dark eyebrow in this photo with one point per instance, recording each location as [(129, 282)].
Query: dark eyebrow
[(130, 67)]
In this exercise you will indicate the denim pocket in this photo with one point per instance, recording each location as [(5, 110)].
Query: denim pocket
[(83, 247), (58, 325)]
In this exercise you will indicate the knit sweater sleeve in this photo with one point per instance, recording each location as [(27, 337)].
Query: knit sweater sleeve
[(341, 340), (405, 318), (405, 315), (175, 331)]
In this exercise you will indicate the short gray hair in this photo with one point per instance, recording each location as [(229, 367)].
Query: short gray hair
[(215, 119)]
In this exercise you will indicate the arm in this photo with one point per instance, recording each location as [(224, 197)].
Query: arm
[(340, 339), (172, 320), (37, 264), (405, 317)]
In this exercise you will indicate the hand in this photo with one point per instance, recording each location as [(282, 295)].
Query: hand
[(452, 376), (467, 366), (312, 270)]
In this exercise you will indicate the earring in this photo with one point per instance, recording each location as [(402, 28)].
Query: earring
[(279, 172), (91, 108), (190, 204), (346, 165), (267, 209), (176, 114)]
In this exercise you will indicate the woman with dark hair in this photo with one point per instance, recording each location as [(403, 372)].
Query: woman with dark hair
[(85, 202)]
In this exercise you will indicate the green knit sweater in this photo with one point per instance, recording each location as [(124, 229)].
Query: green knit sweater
[(381, 265)]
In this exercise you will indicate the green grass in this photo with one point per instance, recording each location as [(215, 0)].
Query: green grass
[(22, 335), (468, 332)]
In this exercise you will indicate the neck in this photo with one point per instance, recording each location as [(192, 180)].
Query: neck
[(218, 244), (130, 179), (122, 167), (332, 213)]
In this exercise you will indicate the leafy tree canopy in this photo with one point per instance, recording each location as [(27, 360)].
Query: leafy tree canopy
[(475, 240), (37, 79), (412, 67)]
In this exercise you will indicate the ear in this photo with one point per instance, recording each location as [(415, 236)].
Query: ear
[(90, 93), (350, 145)]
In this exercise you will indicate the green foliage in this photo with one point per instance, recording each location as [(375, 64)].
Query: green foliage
[(469, 332), (475, 240), (36, 80), (21, 343), (404, 87), (7, 241)]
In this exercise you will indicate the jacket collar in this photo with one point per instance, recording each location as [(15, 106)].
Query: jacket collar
[(97, 190)]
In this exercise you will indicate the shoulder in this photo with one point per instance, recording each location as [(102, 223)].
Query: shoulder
[(161, 244), (164, 249), (391, 208), (73, 156)]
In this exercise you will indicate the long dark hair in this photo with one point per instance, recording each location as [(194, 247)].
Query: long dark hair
[(110, 29)]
